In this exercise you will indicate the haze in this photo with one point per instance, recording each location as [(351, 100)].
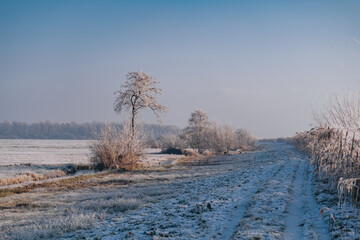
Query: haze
[(260, 65)]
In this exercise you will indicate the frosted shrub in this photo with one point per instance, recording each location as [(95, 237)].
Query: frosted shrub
[(195, 133), (172, 144), (202, 134), (117, 149), (244, 139)]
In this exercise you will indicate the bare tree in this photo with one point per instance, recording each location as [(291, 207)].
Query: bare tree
[(136, 93)]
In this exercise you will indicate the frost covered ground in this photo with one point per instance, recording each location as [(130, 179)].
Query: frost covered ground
[(38, 152), (24, 160), (268, 194)]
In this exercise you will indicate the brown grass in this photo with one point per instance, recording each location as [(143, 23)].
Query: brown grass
[(70, 183), (107, 178), (335, 155), (31, 176)]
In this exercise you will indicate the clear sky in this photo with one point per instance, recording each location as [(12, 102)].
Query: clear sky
[(260, 65)]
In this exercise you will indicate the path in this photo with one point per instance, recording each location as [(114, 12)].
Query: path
[(303, 221), (261, 195)]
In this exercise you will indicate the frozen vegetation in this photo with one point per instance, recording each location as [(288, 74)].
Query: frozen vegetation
[(267, 194)]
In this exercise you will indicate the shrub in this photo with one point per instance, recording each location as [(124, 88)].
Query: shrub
[(172, 144), (117, 149)]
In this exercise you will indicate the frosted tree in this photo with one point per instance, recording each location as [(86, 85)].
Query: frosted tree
[(196, 131), (229, 137), (244, 139), (215, 137), (138, 92)]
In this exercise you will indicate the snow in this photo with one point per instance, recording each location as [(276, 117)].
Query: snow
[(19, 156), (24, 151), (262, 195), (304, 211), (268, 194)]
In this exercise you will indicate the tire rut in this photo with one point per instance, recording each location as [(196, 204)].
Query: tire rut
[(264, 213), (240, 208)]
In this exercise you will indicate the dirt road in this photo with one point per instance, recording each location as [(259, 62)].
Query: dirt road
[(262, 195)]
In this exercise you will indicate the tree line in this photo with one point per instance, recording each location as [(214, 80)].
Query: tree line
[(72, 130), (208, 137)]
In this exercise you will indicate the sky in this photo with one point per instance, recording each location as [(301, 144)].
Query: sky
[(260, 65)]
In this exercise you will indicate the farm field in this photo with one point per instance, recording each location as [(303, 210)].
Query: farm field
[(23, 157), (267, 194)]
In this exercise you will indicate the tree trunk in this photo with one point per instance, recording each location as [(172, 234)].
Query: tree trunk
[(133, 121)]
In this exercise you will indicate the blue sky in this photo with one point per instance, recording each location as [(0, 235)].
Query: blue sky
[(260, 65)]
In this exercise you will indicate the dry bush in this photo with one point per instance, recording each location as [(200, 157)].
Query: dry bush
[(117, 149)]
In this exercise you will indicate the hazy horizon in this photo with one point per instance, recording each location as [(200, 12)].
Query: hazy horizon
[(259, 65)]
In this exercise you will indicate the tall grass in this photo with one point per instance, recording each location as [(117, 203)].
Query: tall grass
[(117, 149), (335, 145)]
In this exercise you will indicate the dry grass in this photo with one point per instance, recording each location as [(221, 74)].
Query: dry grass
[(31, 176), (50, 208), (335, 155), (48, 214), (75, 182)]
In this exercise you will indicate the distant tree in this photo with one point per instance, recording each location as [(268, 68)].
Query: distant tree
[(136, 93), (229, 137), (195, 133), (49, 130), (215, 138), (220, 138), (244, 139)]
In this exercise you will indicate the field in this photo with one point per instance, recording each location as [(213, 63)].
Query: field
[(27, 160), (267, 194)]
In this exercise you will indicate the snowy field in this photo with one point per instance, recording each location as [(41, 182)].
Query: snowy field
[(54, 152), (38, 152), (45, 157), (267, 194)]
